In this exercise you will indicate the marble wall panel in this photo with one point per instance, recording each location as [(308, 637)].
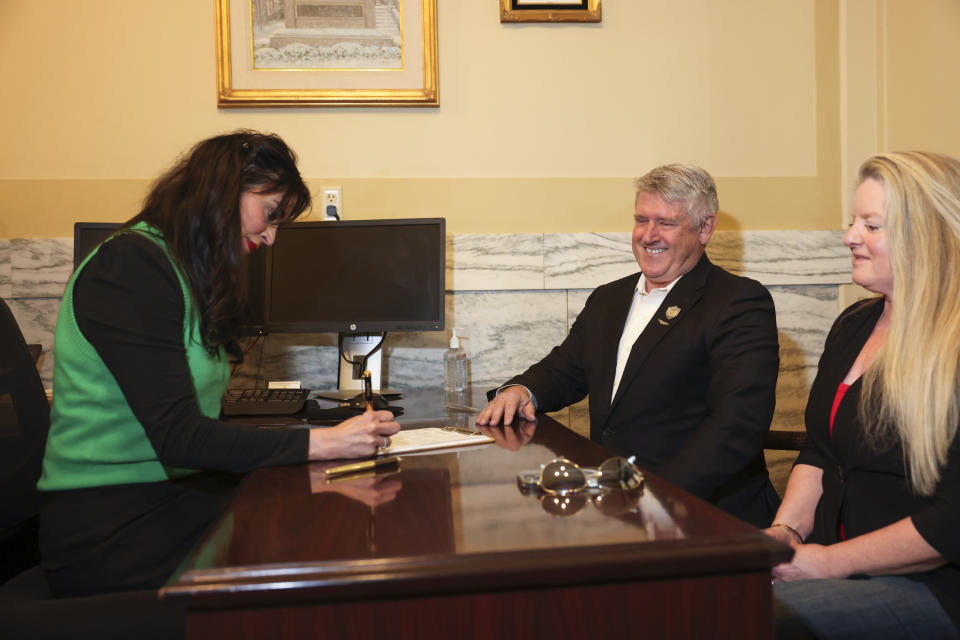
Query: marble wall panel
[(415, 360), (6, 284), (585, 260), (40, 267), (530, 261), (804, 316), (310, 358), (783, 257), (504, 331), (491, 262), (507, 331)]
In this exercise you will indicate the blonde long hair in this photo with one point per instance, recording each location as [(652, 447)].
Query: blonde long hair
[(911, 391)]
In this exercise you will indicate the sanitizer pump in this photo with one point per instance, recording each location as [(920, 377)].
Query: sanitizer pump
[(454, 365)]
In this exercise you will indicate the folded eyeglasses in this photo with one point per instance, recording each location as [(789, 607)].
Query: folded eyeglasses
[(561, 476)]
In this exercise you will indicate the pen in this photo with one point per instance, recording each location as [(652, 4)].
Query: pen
[(462, 408), (367, 465), (368, 390)]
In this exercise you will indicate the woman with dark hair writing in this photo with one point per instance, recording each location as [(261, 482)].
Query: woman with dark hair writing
[(146, 330)]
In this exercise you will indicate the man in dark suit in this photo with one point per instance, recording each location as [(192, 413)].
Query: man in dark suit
[(680, 360)]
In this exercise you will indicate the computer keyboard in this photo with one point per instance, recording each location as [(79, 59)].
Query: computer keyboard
[(263, 402)]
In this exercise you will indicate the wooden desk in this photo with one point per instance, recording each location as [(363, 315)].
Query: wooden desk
[(449, 547)]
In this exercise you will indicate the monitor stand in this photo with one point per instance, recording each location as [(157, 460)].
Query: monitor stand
[(348, 387)]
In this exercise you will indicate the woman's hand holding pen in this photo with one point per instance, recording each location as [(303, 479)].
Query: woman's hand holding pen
[(358, 437)]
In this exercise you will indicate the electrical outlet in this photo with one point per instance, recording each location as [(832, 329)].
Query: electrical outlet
[(332, 203)]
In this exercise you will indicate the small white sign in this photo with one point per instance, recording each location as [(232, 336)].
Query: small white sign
[(283, 384)]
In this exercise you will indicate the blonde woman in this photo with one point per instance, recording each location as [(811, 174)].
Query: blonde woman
[(872, 508)]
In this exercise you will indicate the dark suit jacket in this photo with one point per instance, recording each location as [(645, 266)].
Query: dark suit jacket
[(698, 390)]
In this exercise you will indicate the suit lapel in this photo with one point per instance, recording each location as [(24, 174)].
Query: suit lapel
[(675, 307), (616, 318)]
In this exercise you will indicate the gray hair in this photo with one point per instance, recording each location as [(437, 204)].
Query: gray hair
[(684, 184)]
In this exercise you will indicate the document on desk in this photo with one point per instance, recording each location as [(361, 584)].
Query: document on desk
[(413, 440)]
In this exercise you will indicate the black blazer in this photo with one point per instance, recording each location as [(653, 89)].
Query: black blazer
[(698, 390)]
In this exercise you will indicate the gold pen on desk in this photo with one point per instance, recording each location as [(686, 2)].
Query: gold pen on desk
[(366, 465)]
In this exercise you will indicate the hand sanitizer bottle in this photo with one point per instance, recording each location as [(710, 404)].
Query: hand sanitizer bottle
[(454, 365)]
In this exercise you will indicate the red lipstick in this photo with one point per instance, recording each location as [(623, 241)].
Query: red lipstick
[(251, 246)]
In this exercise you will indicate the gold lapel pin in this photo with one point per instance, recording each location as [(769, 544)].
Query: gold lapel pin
[(672, 312)]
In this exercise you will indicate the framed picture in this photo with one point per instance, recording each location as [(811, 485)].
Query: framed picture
[(327, 53), (550, 11)]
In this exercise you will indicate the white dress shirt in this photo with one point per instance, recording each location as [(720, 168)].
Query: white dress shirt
[(644, 305)]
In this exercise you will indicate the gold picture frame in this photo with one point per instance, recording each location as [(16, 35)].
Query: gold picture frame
[(396, 67), (550, 11)]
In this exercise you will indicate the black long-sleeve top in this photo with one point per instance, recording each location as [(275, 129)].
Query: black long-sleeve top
[(129, 305), (865, 489)]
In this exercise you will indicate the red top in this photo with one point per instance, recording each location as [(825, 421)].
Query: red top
[(841, 390), (837, 399)]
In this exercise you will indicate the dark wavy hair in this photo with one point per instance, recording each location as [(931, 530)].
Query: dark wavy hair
[(196, 205)]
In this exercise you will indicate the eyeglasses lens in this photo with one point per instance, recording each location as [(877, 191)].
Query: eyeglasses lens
[(620, 472), (616, 502), (562, 476), (563, 505)]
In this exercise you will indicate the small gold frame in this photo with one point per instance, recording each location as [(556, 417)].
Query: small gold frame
[(514, 11), (427, 94)]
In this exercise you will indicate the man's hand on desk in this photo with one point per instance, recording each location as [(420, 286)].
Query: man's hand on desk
[(358, 437), (514, 400), (510, 438)]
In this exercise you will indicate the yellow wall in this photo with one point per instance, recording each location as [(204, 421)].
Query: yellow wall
[(540, 128), (922, 91)]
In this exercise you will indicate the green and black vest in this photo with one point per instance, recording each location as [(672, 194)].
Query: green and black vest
[(95, 439)]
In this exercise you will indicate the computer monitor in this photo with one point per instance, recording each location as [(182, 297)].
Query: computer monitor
[(357, 278), (87, 235)]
